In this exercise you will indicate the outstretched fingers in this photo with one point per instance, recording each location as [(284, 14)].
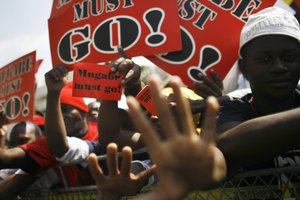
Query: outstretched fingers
[(95, 169), (142, 124), (210, 120), (126, 161), (164, 113), (112, 159), (182, 108)]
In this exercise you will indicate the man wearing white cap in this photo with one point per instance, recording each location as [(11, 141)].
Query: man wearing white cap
[(269, 57)]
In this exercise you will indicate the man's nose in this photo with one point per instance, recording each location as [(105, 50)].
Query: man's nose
[(278, 66)]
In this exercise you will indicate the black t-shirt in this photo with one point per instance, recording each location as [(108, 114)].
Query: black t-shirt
[(241, 110)]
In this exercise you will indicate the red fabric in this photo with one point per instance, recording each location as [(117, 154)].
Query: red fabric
[(37, 65), (75, 176), (38, 120), (297, 2), (66, 97), (39, 151), (93, 133)]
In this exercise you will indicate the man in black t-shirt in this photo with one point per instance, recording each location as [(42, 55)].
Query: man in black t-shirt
[(269, 57)]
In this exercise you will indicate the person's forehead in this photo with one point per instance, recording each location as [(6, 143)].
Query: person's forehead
[(67, 106), (66, 109), (30, 131), (27, 129), (94, 105), (271, 42)]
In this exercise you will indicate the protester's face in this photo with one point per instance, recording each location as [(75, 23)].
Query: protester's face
[(74, 120), (272, 66), (93, 111), (22, 135)]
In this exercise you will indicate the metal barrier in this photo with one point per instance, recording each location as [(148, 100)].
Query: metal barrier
[(275, 183)]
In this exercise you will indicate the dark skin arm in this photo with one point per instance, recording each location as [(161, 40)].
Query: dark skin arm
[(111, 121), (56, 132), (14, 185), (260, 138), (12, 158)]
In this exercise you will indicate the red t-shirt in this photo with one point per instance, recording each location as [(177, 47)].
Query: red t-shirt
[(92, 134), (39, 151)]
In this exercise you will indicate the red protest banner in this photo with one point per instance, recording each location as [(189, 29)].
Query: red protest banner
[(59, 7), (17, 88), (96, 81), (145, 99), (90, 31), (38, 63), (210, 37)]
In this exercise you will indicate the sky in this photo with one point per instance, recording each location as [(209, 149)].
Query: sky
[(24, 28)]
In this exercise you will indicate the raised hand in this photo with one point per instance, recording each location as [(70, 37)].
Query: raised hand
[(56, 132), (132, 71), (56, 78), (209, 86), (184, 160), (118, 183)]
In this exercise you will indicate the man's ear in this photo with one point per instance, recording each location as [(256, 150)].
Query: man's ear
[(242, 67)]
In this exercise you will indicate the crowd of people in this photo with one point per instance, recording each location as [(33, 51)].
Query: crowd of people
[(185, 151)]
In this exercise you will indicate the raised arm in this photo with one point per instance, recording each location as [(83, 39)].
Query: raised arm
[(114, 124), (56, 132)]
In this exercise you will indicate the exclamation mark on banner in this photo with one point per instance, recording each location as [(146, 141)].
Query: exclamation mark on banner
[(209, 56), (26, 98), (115, 34), (154, 18)]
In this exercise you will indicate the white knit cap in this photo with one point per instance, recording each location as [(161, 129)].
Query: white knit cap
[(270, 21)]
